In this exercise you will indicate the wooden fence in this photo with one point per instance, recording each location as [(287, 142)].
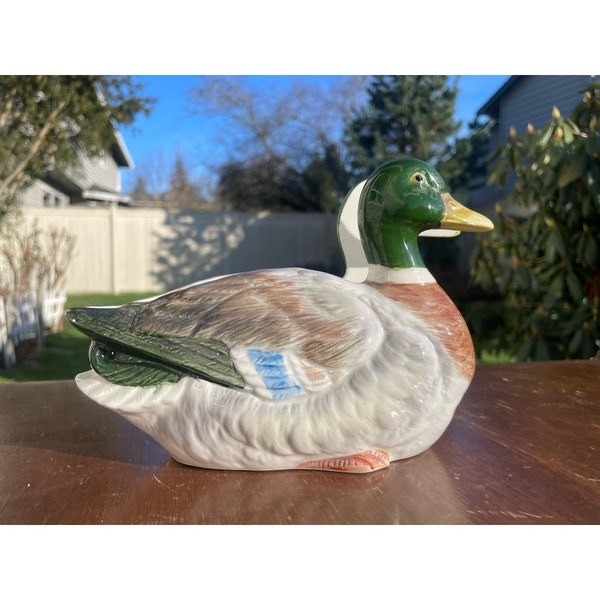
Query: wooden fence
[(139, 250)]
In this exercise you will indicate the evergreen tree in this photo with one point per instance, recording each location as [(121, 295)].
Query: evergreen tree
[(179, 183), (405, 115), (139, 193), (179, 177), (183, 193)]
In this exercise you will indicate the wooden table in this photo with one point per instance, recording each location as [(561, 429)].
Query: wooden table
[(524, 447)]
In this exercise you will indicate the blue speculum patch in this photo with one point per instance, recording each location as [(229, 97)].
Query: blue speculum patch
[(270, 366)]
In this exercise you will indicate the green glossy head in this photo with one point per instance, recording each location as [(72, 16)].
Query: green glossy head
[(401, 199)]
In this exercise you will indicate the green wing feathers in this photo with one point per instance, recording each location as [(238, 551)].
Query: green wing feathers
[(156, 357)]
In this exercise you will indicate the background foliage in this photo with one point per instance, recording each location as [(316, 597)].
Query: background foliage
[(302, 148), (46, 120), (543, 259)]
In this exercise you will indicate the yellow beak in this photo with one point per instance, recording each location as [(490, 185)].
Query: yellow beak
[(461, 218)]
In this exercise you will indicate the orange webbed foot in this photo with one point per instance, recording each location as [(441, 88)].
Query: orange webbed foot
[(364, 462)]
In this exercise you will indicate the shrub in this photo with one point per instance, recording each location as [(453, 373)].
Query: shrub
[(543, 258), (33, 271)]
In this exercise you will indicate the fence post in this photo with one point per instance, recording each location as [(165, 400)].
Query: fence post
[(113, 248)]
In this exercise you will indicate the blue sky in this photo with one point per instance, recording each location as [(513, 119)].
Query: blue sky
[(171, 130), (170, 40)]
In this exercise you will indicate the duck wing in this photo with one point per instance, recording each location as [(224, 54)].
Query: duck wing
[(277, 333), (126, 355)]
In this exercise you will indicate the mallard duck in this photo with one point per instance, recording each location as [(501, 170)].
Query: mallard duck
[(294, 368)]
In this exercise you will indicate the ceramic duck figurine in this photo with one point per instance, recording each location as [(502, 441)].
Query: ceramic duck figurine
[(357, 266), (293, 368)]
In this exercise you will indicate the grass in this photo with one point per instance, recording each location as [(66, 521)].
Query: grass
[(66, 352), (495, 357)]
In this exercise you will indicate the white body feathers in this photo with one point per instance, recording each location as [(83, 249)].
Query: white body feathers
[(397, 391)]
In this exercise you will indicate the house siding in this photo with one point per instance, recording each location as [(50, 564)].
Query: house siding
[(101, 171), (42, 194), (531, 98)]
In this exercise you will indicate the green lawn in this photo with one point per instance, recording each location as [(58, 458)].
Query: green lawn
[(495, 357), (66, 352)]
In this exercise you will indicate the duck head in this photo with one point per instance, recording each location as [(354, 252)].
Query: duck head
[(399, 201)]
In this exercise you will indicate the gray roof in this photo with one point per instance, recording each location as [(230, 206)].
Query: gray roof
[(490, 108), (121, 153)]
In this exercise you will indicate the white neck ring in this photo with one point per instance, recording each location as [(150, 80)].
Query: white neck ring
[(380, 274)]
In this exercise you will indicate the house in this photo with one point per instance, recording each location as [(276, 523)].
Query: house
[(94, 181)]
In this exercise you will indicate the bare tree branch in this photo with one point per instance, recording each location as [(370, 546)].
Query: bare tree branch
[(290, 123)]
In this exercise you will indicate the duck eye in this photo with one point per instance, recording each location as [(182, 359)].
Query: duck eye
[(417, 178)]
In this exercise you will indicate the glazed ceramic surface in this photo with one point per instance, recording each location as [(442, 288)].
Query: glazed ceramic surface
[(298, 369)]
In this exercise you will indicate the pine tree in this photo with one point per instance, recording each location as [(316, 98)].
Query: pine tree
[(182, 193), (405, 115), (139, 193)]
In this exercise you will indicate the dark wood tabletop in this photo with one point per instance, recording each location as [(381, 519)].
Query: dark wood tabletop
[(523, 448)]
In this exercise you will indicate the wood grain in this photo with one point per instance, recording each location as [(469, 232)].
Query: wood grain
[(523, 448)]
